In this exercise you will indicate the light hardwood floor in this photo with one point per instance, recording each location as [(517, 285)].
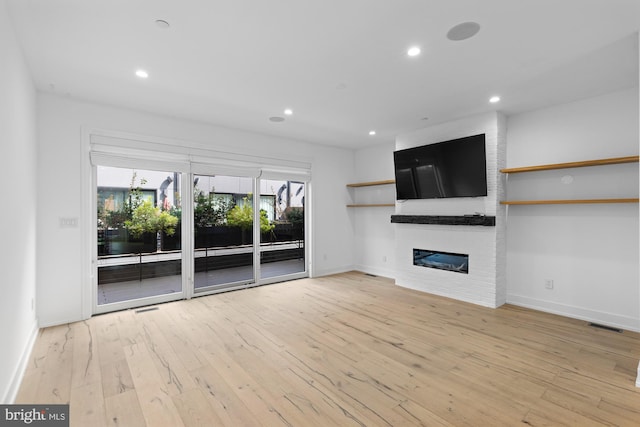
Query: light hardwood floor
[(344, 350)]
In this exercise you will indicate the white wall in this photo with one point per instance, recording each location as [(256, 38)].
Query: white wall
[(374, 233), (61, 121), (589, 251), (18, 213)]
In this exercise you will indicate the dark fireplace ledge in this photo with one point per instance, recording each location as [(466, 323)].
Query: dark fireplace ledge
[(489, 221)]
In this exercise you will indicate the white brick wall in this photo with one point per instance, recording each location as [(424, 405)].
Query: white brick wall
[(485, 284)]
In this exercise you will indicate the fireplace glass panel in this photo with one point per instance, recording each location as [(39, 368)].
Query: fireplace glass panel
[(458, 263)]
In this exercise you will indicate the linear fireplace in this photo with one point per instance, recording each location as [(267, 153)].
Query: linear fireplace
[(458, 263)]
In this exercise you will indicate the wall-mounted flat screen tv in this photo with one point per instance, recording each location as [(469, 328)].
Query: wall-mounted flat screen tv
[(456, 168)]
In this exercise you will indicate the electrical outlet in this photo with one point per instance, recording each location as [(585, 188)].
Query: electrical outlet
[(548, 283)]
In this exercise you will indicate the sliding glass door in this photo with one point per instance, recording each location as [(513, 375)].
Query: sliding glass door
[(247, 231), (282, 233), (139, 255), (223, 232), (173, 229)]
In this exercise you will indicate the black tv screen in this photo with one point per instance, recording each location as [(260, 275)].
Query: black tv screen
[(456, 168)]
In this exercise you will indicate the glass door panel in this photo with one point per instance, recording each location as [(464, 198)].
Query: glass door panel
[(138, 226), (282, 225), (223, 232)]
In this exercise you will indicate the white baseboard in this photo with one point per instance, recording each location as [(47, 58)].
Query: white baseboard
[(604, 318), (330, 271), (12, 391), (638, 376), (384, 272), (47, 323)]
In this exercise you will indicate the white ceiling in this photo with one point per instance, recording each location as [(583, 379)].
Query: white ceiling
[(341, 65)]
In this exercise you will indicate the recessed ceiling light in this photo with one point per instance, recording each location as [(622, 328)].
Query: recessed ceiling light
[(288, 111), (413, 51), (161, 23), (142, 74), (276, 119), (463, 31), (494, 99), (372, 132)]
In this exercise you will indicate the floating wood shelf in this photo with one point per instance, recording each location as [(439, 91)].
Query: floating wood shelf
[(369, 205), (371, 183), (566, 202), (599, 162)]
